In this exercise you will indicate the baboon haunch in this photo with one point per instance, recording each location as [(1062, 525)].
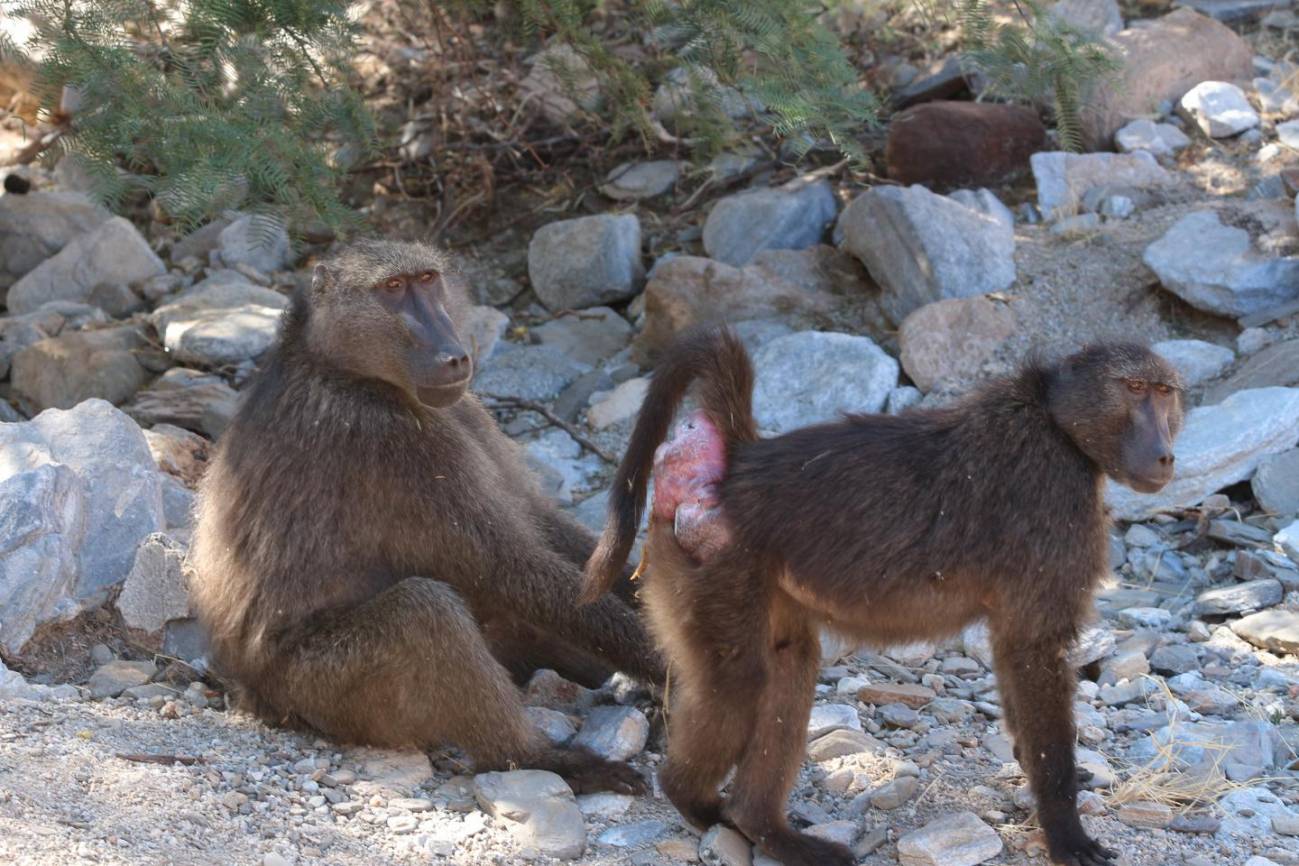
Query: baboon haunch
[(887, 529), (373, 560)]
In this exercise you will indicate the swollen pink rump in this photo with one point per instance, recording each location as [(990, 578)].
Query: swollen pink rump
[(687, 468)]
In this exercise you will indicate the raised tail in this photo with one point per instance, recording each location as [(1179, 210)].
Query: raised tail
[(715, 357)]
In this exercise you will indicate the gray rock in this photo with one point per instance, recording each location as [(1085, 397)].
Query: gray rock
[(1234, 11), (564, 467), (185, 639), (112, 252), (1145, 617), (1196, 360), (78, 492), (921, 247), (199, 243), (1220, 109), (949, 341), (483, 328), (1276, 630), (177, 503), (528, 372), (554, 828), (1248, 813), (1277, 364), (902, 398), (1276, 483), (960, 839), (1096, 17), (586, 262), (1201, 695), (590, 337), (1095, 642), (814, 376), (832, 717), (841, 743), (1216, 268), (1145, 815), (1241, 597), (557, 727), (260, 242), (1160, 139), (722, 846), (1078, 224), (984, 201), (112, 679), (220, 323), (1175, 659), (1064, 178), (604, 805), (635, 181), (62, 371), (156, 590), (48, 320), (895, 793), (791, 217), (188, 399), (615, 733), (562, 83), (1219, 446), (632, 835), (38, 225)]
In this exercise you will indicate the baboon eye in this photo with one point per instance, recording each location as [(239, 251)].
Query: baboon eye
[(1164, 389), (394, 283), (427, 277), (1136, 386)]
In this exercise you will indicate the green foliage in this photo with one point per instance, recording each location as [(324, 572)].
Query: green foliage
[(1039, 60), (207, 105)]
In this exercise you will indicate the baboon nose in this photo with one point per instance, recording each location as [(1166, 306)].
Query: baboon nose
[(453, 360), (1166, 459)]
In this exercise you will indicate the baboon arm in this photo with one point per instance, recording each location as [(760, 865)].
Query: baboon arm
[(575, 543)]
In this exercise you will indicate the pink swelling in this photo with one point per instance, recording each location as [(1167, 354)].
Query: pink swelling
[(687, 469)]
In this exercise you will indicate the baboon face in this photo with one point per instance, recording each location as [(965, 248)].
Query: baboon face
[(1123, 407), (389, 311)]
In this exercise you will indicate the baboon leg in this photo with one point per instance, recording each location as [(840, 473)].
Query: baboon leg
[(712, 619), (778, 744), (1038, 684), (523, 649), (410, 667)]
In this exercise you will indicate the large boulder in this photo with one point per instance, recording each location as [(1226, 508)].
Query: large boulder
[(111, 253), (197, 401), (220, 322), (814, 376), (1161, 61), (259, 242), (48, 320), (1274, 365), (922, 247), (38, 225), (792, 217), (687, 291), (586, 262), (1216, 268), (955, 144), (79, 491), (62, 371), (1219, 446)]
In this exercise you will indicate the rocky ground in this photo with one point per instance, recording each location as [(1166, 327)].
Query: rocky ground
[(124, 346)]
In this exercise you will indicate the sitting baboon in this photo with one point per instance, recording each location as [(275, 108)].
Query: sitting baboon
[(888, 530), (372, 557)]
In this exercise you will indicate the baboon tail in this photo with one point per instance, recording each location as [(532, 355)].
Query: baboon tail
[(715, 357)]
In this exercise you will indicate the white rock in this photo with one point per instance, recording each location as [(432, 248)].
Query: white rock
[(586, 261), (921, 247), (554, 828), (641, 180), (1219, 446), (1196, 360), (223, 322), (960, 839), (1220, 109), (79, 491), (1099, 18), (832, 717), (157, 589), (112, 252), (1160, 139), (260, 242), (722, 846), (1216, 268), (615, 733), (788, 218), (1063, 178), (814, 376)]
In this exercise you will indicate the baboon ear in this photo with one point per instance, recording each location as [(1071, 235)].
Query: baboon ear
[(320, 278)]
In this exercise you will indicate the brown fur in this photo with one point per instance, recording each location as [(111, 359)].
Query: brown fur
[(890, 530), (375, 568)]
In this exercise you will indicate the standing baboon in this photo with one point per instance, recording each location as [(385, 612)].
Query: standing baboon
[(368, 538), (887, 529)]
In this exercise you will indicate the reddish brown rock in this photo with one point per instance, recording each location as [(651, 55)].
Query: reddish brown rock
[(1162, 61), (949, 341), (958, 144)]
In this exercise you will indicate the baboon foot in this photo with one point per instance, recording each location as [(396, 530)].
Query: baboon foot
[(1076, 848), (800, 849), (586, 772), (700, 810)]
